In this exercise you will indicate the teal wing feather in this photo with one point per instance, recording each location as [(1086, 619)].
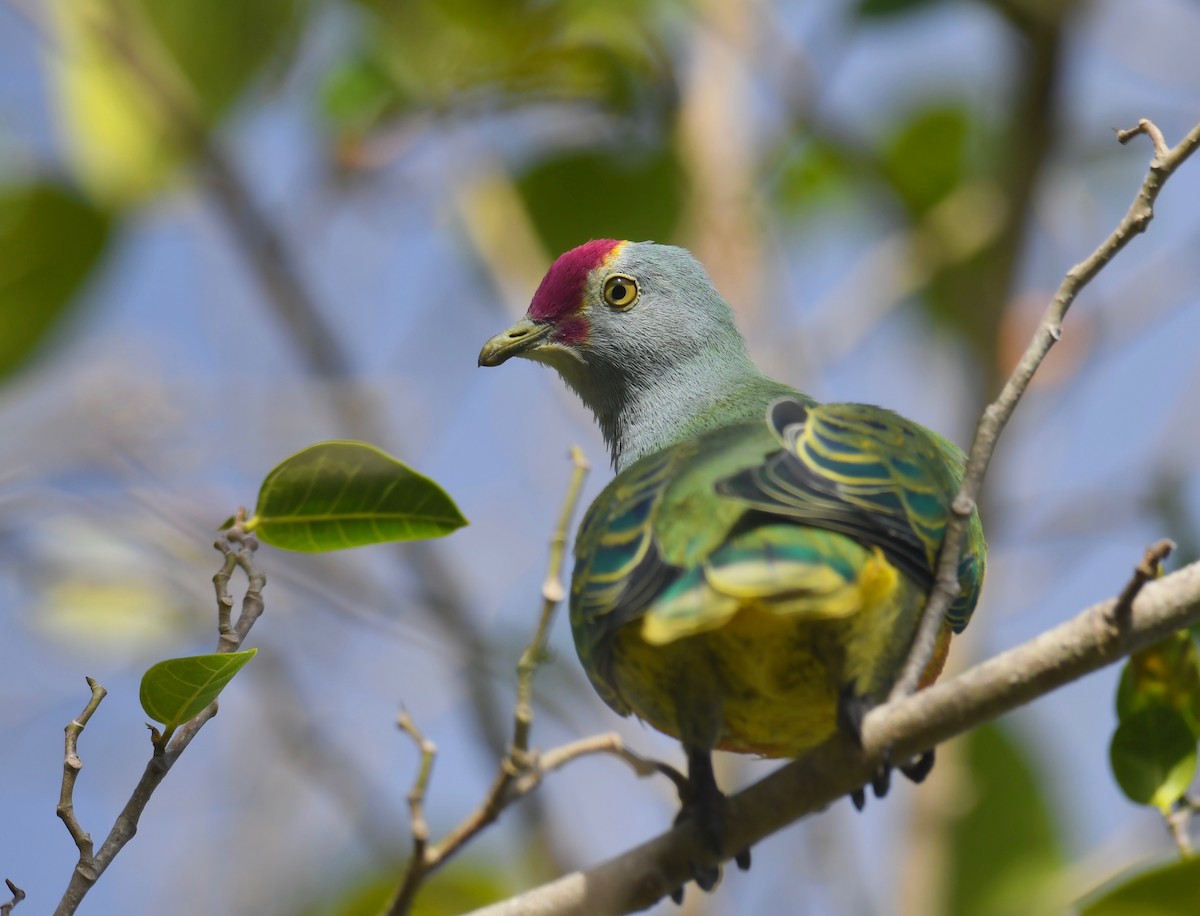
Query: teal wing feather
[(873, 475)]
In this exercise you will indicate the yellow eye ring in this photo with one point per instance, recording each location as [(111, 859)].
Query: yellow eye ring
[(621, 292)]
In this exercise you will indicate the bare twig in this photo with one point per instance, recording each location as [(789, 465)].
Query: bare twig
[(1146, 571), (416, 797), (1179, 822), (638, 878), (238, 548), (997, 414), (520, 771), (17, 896), (71, 767)]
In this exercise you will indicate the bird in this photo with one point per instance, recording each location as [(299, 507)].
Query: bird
[(752, 577)]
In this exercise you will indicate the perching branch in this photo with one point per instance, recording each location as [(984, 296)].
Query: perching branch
[(522, 770), (996, 416), (640, 877), (238, 548)]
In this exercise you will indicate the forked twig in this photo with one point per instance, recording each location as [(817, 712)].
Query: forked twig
[(996, 415)]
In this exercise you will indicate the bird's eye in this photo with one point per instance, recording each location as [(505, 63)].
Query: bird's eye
[(620, 291)]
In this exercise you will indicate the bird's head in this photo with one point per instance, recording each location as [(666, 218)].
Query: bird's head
[(616, 312)]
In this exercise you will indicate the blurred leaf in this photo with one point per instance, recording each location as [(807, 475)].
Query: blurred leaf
[(134, 78), (335, 495), (50, 240), (1164, 674), (1153, 756), (441, 54), (357, 93), (175, 690), (462, 886), (925, 157), (581, 195), (813, 176), (1005, 849), (1168, 890), (219, 47), (869, 8)]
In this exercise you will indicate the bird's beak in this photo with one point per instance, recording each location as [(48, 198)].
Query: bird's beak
[(522, 336)]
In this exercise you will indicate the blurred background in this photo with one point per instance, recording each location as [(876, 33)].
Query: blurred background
[(230, 230)]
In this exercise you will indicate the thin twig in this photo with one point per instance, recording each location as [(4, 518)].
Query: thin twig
[(612, 744), (519, 761), (1179, 822), (17, 896), (71, 767), (996, 415), (418, 863), (1146, 571), (638, 878), (237, 547)]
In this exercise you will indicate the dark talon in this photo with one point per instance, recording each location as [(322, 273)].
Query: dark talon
[(917, 770), (881, 780), (743, 860), (677, 895), (859, 797)]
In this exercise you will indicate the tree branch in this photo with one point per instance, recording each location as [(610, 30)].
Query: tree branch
[(640, 877), (238, 548), (996, 415), (17, 896), (519, 763)]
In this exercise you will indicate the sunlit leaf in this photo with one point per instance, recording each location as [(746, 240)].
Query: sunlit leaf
[(1005, 850), (624, 194), (176, 690), (50, 240), (335, 495), (1153, 756), (1168, 890)]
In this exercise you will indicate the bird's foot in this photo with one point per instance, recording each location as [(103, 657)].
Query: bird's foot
[(703, 804), (852, 710)]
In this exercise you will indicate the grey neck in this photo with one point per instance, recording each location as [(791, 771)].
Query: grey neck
[(678, 401)]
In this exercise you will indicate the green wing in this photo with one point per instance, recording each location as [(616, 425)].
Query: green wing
[(720, 509), (873, 475)]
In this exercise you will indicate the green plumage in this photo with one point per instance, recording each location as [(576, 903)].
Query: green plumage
[(781, 516)]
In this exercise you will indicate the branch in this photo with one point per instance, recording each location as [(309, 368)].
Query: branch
[(17, 896), (238, 548), (71, 767), (638, 878), (996, 415), (518, 762)]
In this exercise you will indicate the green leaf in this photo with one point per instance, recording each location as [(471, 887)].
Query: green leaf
[(50, 241), (1166, 674), (1005, 849), (177, 689), (1168, 890), (1153, 756), (816, 174), (134, 81), (335, 495), (925, 158), (592, 194), (220, 47)]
